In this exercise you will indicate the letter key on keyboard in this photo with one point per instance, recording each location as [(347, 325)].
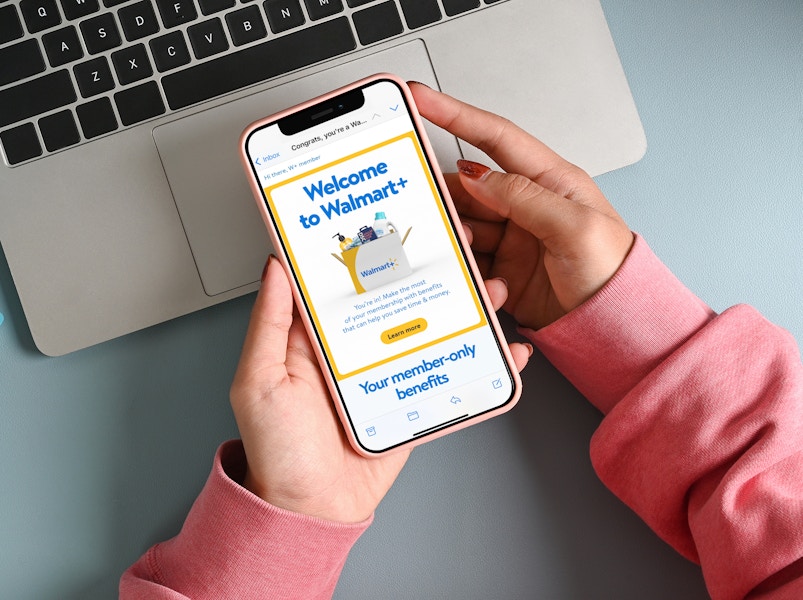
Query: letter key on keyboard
[(176, 12), (40, 14)]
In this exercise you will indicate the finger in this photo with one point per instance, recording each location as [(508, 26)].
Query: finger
[(468, 232), (484, 263), (521, 354), (465, 203), (497, 292), (508, 145), (266, 340), (485, 236), (299, 348), (528, 204)]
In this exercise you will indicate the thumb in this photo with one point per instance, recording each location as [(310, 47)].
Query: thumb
[(585, 240), (265, 345), (534, 208)]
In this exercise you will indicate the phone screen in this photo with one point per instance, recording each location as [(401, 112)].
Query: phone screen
[(371, 244)]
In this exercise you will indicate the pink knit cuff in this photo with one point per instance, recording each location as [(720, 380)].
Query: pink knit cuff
[(233, 544), (609, 343)]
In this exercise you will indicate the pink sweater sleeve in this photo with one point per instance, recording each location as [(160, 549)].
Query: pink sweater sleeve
[(234, 545), (703, 433)]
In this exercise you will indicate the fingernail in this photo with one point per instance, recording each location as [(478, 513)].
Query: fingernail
[(417, 83), (529, 348), (472, 170), (503, 280), (267, 263)]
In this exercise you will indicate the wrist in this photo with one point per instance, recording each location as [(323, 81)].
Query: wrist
[(322, 506), (610, 342)]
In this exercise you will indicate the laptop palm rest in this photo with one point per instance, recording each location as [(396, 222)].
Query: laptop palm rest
[(226, 234)]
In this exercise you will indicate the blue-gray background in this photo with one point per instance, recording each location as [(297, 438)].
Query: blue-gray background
[(102, 452)]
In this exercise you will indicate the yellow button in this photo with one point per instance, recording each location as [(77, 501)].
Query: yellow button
[(402, 331)]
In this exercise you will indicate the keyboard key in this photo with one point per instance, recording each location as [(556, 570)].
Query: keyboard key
[(212, 6), (169, 51), (76, 9), (100, 33), (40, 14), (418, 13), (318, 9), (62, 46), (246, 25), (356, 3), (176, 12), (138, 20), (110, 3), (377, 23), (139, 103), (10, 24), (21, 143), (96, 117), (208, 38), (132, 64), (283, 14), (94, 77), (258, 63), (35, 97), (59, 130), (455, 7), (20, 61)]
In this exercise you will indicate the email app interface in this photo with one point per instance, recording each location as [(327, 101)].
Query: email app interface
[(372, 247)]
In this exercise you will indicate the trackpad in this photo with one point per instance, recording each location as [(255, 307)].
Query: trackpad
[(200, 155)]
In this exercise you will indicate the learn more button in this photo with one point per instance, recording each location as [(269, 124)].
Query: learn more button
[(402, 331)]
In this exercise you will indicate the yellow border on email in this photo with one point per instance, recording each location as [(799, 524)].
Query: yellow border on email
[(482, 321)]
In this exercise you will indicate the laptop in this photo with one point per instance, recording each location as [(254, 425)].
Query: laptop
[(122, 201)]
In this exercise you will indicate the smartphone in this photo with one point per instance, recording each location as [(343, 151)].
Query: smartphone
[(393, 302)]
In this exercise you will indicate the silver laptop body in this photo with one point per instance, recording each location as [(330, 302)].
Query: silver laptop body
[(109, 232)]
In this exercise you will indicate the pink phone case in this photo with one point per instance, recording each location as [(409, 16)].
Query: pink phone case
[(258, 195)]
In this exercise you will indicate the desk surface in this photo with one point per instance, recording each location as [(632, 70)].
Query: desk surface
[(105, 450)]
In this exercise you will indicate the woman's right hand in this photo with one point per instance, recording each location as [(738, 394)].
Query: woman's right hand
[(543, 226)]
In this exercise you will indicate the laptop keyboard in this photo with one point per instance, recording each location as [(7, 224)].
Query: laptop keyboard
[(75, 70)]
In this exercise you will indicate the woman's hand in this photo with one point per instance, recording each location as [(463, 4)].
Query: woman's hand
[(543, 226), (298, 456)]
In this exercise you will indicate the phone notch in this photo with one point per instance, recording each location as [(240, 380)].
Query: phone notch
[(321, 113)]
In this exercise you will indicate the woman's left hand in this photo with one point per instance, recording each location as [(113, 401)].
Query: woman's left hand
[(298, 455)]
